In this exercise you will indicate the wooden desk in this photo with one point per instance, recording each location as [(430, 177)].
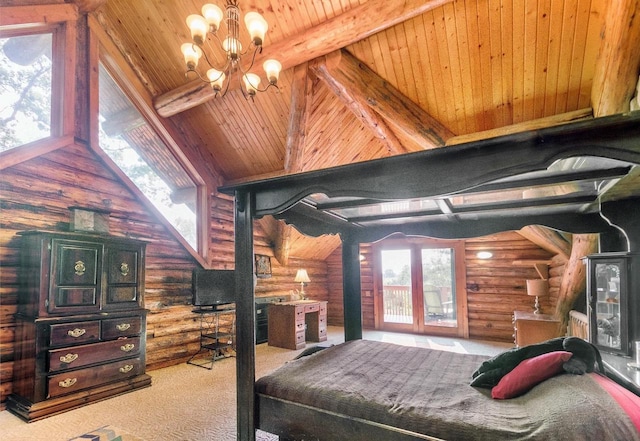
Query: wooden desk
[(530, 328), (292, 324)]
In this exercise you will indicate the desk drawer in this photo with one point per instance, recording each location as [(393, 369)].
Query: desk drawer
[(300, 337), (74, 333), (312, 308), (121, 327), (77, 356), (74, 381)]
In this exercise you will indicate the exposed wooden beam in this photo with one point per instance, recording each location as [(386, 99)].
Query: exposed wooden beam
[(618, 62), (547, 239), (352, 26), (298, 113), (555, 120), (358, 106), (400, 112), (301, 90), (574, 277)]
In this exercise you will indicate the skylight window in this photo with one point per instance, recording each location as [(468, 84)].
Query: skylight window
[(142, 155)]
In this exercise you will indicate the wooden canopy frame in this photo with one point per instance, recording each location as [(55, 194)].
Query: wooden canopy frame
[(423, 174)]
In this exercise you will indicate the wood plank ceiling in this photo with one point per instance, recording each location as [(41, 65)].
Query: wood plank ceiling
[(455, 68)]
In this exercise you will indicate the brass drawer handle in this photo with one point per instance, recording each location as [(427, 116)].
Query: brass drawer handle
[(124, 268), (67, 382), (69, 358), (126, 368), (80, 268), (128, 347), (123, 326), (77, 332)]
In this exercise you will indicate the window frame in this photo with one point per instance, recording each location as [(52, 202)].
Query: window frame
[(143, 105), (61, 127)]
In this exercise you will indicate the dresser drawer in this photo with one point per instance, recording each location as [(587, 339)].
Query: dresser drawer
[(77, 356), (74, 333), (299, 314), (68, 382), (300, 338), (121, 327)]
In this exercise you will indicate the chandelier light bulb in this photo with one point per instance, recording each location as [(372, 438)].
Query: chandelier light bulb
[(198, 26), (257, 27), (192, 54), (216, 79), (251, 82), (213, 15), (232, 47), (272, 68)]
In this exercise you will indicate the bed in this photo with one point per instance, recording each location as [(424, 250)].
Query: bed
[(600, 197), (388, 391)]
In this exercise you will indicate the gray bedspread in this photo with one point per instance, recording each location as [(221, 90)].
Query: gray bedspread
[(427, 391)]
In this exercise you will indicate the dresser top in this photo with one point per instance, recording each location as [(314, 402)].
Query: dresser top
[(524, 315)]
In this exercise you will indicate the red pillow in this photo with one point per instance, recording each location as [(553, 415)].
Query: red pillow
[(529, 373)]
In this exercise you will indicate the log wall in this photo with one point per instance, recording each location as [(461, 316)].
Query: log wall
[(495, 287), (36, 194)]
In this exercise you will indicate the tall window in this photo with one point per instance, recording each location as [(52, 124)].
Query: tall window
[(142, 155), (418, 284), (26, 71)]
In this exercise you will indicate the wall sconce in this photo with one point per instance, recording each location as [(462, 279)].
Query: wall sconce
[(302, 277), (537, 288)]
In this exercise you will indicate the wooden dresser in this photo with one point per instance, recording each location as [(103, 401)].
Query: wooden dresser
[(530, 328), (81, 326), (292, 324)]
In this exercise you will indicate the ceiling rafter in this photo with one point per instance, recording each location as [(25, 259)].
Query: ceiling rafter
[(340, 31), (357, 103), (618, 64), (346, 75)]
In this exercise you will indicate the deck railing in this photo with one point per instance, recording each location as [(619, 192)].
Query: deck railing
[(398, 306)]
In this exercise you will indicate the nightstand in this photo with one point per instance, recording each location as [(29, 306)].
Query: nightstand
[(530, 328)]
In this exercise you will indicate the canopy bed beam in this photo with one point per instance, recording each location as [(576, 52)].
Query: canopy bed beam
[(456, 168), (245, 317), (351, 289)]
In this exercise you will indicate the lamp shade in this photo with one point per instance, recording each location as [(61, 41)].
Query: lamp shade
[(302, 276), (537, 287)]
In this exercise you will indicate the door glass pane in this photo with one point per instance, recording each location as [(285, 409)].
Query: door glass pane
[(608, 304), (396, 285), (438, 287)]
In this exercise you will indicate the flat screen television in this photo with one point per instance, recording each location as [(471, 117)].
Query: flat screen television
[(213, 288)]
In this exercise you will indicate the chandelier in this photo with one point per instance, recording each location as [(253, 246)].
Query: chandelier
[(206, 26)]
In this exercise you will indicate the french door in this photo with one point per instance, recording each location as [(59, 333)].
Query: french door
[(420, 286)]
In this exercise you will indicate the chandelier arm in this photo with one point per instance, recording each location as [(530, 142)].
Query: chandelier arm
[(212, 65), (253, 59)]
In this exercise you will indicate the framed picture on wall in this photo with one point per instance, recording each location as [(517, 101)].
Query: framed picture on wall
[(263, 266)]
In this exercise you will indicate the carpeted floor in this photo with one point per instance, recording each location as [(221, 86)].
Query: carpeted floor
[(191, 403)]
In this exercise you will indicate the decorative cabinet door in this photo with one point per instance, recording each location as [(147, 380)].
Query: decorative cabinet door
[(122, 276), (76, 269)]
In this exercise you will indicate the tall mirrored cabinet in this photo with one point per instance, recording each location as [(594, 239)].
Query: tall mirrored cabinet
[(612, 301)]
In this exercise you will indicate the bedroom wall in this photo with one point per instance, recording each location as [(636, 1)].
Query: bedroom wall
[(495, 287), (36, 194)]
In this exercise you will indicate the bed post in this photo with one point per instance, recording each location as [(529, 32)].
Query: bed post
[(351, 290), (245, 317)]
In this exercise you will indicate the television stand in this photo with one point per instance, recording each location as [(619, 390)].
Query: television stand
[(217, 336)]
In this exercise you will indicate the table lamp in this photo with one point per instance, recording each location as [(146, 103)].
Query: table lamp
[(538, 288), (302, 277)]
